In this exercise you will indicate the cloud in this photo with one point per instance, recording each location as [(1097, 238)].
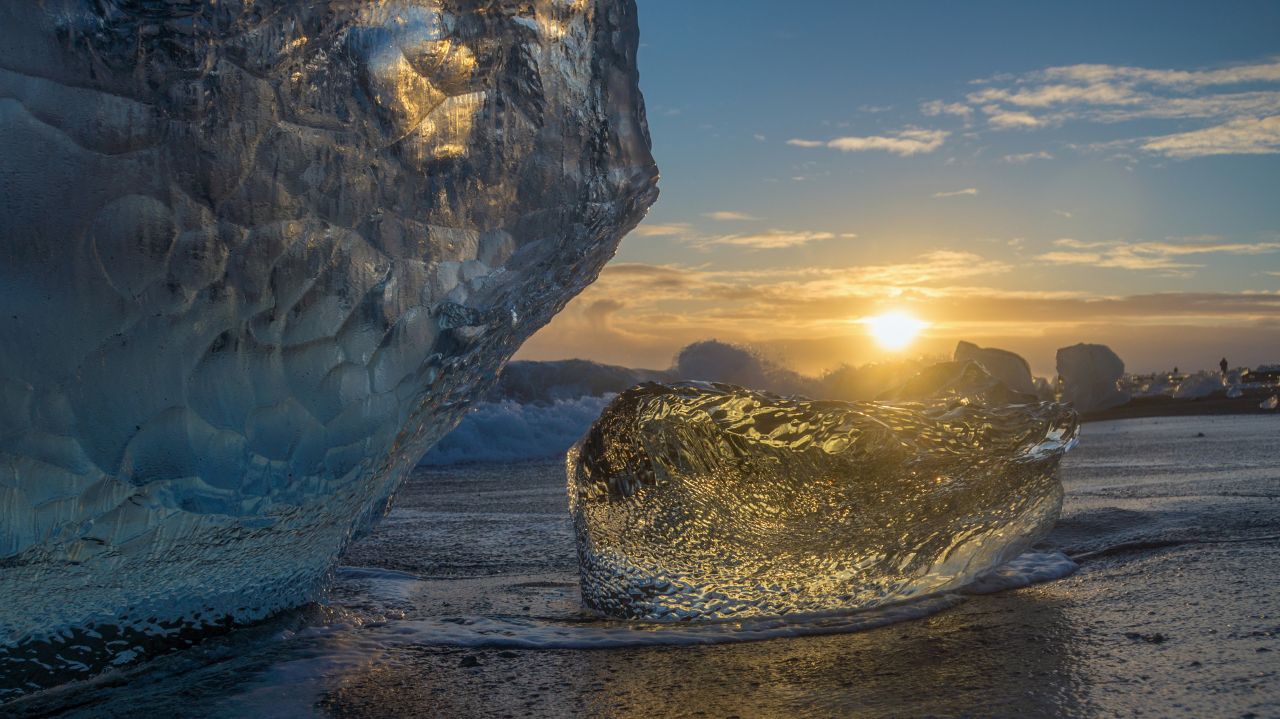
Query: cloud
[(904, 142), (1165, 255), (1240, 102), (1063, 213), (934, 108), (729, 216), (640, 314), (1027, 157), (1003, 119), (600, 312), (772, 239), (1242, 136), (966, 192), (1260, 72), (1078, 244), (661, 230), (631, 281)]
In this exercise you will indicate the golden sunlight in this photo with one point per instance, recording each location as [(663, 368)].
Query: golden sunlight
[(894, 330)]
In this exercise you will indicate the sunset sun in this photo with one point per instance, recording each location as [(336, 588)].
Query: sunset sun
[(894, 330)]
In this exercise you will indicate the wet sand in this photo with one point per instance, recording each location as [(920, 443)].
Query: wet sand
[(1213, 405), (1173, 612)]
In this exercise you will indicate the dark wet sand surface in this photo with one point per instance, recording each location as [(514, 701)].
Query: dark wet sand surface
[(1175, 613)]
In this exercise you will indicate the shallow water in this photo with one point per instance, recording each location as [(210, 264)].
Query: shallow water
[(464, 603)]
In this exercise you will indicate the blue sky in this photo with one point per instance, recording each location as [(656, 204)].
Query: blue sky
[(1019, 174)]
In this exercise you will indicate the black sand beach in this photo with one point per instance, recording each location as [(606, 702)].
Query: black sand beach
[(1172, 613)]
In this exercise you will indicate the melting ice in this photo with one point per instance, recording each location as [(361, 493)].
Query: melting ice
[(255, 258), (709, 501)]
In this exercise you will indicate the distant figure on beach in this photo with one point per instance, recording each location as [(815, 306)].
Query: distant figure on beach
[(1223, 364)]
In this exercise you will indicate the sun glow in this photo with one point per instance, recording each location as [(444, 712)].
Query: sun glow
[(894, 330)]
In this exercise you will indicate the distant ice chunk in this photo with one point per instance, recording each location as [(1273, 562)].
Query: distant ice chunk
[(1045, 390), (1009, 368), (1089, 375), (964, 382), (1198, 385), (709, 501)]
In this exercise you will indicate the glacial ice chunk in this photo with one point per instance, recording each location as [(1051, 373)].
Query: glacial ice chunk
[(957, 382), (1089, 375), (709, 501), (255, 258), (1198, 385), (1008, 367)]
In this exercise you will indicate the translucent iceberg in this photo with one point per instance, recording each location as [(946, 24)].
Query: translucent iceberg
[(1090, 376), (255, 258), (1008, 367), (708, 501)]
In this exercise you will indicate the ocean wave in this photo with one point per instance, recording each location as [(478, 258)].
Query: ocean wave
[(509, 431)]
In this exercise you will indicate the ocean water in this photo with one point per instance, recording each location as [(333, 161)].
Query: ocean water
[(464, 602)]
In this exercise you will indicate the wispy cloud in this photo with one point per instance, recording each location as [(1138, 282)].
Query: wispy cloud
[(907, 142), (1027, 157), (662, 230), (1239, 74), (730, 216), (772, 239), (668, 305), (1063, 213), (966, 192), (934, 108), (1242, 136), (1168, 255), (1108, 93), (999, 117), (1241, 102)]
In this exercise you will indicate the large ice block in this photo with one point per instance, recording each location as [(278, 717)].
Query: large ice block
[(256, 256), (708, 501), (1008, 367), (1090, 374)]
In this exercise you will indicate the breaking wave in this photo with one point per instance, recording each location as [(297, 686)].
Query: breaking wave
[(508, 431)]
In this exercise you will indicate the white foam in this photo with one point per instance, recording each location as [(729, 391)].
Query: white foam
[(1029, 568), (387, 585)]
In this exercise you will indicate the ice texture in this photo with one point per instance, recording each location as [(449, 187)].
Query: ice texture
[(1089, 376), (1008, 367), (256, 256), (708, 501), (1200, 384)]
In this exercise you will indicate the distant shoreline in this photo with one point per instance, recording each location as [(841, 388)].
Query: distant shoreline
[(1217, 404)]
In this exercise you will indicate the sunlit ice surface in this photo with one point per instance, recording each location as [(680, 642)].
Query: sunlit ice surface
[(894, 330), (698, 501)]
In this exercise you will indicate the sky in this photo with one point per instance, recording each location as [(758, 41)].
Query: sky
[(1019, 175)]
